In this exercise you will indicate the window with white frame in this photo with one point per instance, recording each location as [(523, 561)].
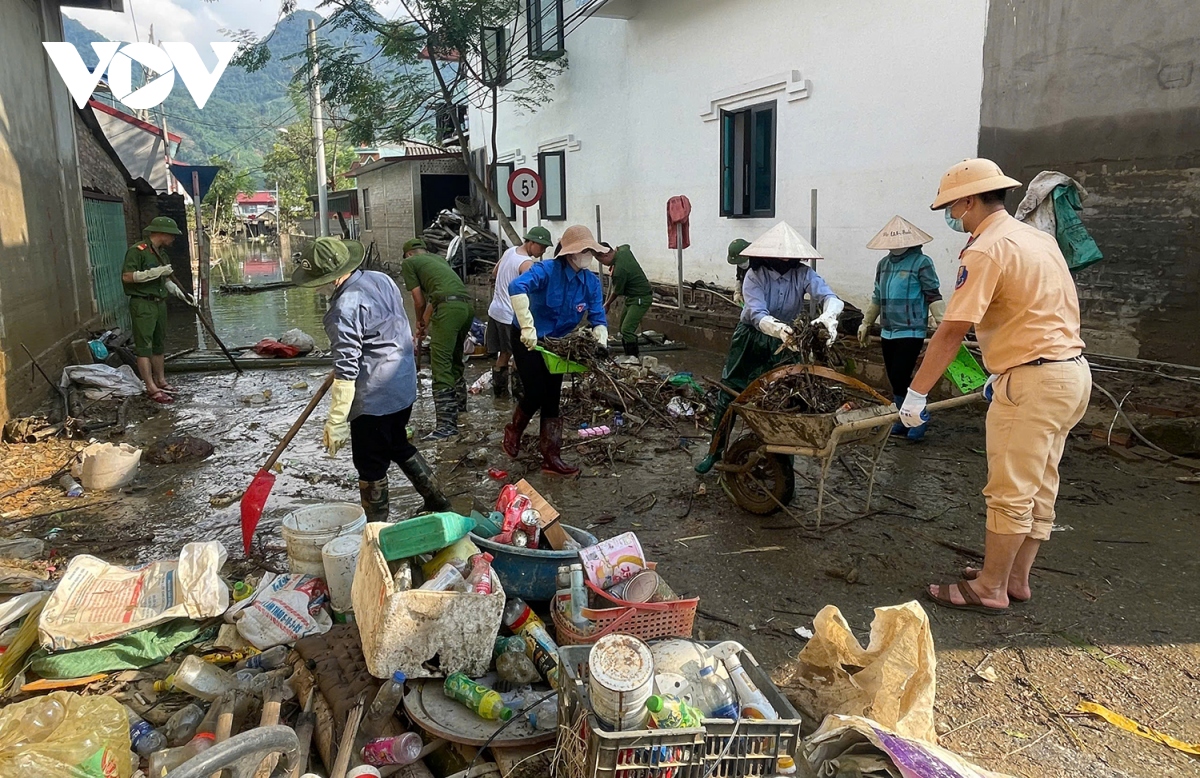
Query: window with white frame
[(748, 162), (552, 167)]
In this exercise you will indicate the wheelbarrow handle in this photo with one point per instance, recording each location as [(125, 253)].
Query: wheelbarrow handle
[(890, 418)]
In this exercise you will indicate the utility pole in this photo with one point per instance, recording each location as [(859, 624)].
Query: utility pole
[(318, 119)]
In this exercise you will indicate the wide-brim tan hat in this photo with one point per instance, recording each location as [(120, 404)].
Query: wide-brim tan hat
[(899, 233), (781, 242), (971, 177), (579, 238)]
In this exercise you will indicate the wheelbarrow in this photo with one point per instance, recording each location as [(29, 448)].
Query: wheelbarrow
[(756, 469)]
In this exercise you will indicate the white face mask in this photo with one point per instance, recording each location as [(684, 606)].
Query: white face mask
[(581, 261)]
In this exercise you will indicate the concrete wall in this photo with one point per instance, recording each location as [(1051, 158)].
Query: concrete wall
[(396, 202), (874, 101), (1109, 92), (45, 289), (98, 173)]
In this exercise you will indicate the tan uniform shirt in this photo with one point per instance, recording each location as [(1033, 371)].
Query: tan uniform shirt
[(1014, 286)]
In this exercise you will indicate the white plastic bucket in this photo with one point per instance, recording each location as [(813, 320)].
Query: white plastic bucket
[(621, 670), (307, 530), (106, 466), (339, 557)]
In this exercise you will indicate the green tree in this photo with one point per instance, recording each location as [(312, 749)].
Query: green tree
[(217, 208), (431, 58)]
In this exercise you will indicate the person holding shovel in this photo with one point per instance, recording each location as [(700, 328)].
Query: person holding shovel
[(375, 373), (908, 294), (550, 300), (774, 292), (146, 278)]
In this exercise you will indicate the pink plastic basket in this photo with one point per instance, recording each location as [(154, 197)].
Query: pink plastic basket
[(645, 620)]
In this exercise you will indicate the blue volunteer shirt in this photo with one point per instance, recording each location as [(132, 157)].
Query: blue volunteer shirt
[(372, 344), (559, 296), (904, 288), (767, 293)]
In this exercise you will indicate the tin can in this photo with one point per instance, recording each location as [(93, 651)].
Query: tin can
[(620, 680), (642, 587)]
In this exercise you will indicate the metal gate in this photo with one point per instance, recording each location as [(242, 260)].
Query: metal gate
[(106, 253)]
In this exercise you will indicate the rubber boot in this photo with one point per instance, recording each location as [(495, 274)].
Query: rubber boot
[(500, 381), (917, 434), (446, 409), (705, 465), (460, 395), (514, 430), (898, 429), (518, 388), (374, 496), (631, 348), (421, 476), (551, 447)]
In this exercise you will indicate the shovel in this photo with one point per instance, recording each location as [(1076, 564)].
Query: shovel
[(254, 499)]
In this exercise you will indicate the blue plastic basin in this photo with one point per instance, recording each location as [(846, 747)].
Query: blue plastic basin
[(531, 573)]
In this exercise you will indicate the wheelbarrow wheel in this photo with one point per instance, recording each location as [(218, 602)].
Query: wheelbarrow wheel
[(764, 487)]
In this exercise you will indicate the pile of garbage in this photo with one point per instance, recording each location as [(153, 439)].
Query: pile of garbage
[(463, 238), (635, 393)]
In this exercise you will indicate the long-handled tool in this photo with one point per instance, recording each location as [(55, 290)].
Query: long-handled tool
[(255, 497), (209, 328)]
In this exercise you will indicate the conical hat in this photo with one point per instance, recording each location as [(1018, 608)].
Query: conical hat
[(899, 234), (781, 242)]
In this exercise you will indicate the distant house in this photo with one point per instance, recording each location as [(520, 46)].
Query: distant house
[(251, 206)]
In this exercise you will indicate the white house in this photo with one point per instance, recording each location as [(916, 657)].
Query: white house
[(745, 107)]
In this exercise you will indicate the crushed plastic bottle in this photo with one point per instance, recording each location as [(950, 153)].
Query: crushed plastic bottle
[(142, 734), (183, 724), (399, 750), (447, 579), (480, 580), (383, 707), (39, 724), (714, 697), (267, 660), (516, 668), (70, 486), (166, 760)]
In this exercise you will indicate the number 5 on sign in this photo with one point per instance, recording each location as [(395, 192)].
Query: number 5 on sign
[(525, 187)]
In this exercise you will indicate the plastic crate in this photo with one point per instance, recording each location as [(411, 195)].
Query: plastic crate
[(670, 753), (643, 620)]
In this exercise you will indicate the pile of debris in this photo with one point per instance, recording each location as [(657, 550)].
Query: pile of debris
[(463, 238)]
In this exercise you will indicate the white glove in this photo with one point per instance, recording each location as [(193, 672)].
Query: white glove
[(829, 318), (869, 318), (774, 328), (989, 387), (153, 274), (337, 424), (520, 304), (937, 312), (737, 297), (912, 412), (175, 291), (600, 333)]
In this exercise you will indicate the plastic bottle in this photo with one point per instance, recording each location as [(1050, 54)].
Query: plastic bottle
[(668, 713), (754, 704), (39, 724), (579, 597), (383, 707), (165, 684), (480, 580), (398, 750), (267, 660), (242, 590), (544, 715), (484, 701), (516, 668), (166, 760), (200, 679), (539, 646), (70, 486), (785, 766), (447, 579), (183, 724), (714, 696), (142, 734), (514, 644), (229, 657)]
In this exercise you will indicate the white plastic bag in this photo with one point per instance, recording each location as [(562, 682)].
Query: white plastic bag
[(283, 609), (103, 381), (298, 338), (482, 384), (96, 601), (104, 466)]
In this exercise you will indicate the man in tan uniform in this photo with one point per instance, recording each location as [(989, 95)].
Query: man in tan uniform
[(1014, 287)]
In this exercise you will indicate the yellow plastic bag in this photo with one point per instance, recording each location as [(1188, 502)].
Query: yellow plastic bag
[(891, 681), (82, 737)]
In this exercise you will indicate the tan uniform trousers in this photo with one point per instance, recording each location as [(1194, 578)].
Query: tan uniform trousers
[(1032, 410)]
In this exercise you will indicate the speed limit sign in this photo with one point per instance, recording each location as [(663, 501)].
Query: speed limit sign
[(525, 187)]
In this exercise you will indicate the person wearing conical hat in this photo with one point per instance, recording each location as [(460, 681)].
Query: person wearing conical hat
[(1014, 287), (774, 292), (907, 294), (374, 373), (145, 275)]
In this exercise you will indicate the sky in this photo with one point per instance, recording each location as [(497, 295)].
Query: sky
[(193, 21)]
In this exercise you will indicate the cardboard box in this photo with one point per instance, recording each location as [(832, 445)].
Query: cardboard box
[(555, 535)]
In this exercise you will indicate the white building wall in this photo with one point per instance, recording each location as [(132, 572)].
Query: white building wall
[(875, 99)]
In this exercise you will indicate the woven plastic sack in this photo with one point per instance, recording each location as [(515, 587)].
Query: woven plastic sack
[(90, 741)]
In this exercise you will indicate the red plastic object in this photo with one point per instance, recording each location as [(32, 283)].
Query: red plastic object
[(273, 348), (498, 474), (253, 501)]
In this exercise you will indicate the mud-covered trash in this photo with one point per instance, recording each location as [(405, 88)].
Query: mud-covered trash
[(106, 466), (178, 449), (22, 430), (22, 548), (226, 498), (300, 385), (258, 398), (298, 339)]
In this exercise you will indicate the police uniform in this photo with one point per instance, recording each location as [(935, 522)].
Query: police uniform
[(147, 300), (629, 281)]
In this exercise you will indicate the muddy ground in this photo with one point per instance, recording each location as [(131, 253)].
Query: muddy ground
[(1115, 615)]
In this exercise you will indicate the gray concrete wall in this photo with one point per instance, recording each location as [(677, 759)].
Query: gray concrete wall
[(1108, 91), (45, 289), (393, 208)]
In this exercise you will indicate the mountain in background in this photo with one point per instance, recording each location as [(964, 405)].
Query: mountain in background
[(246, 110)]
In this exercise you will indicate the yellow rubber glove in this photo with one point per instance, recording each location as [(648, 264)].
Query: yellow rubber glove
[(520, 304), (937, 312), (869, 317), (337, 424)]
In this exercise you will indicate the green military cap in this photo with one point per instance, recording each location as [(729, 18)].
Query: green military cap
[(163, 224), (735, 251), (413, 243), (539, 235), (326, 260)]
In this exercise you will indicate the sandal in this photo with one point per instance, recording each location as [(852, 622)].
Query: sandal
[(970, 599), (161, 397), (970, 574), (168, 388)]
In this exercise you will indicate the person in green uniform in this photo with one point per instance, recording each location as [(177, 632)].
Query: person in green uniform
[(630, 282), (742, 264), (443, 309), (145, 276)]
